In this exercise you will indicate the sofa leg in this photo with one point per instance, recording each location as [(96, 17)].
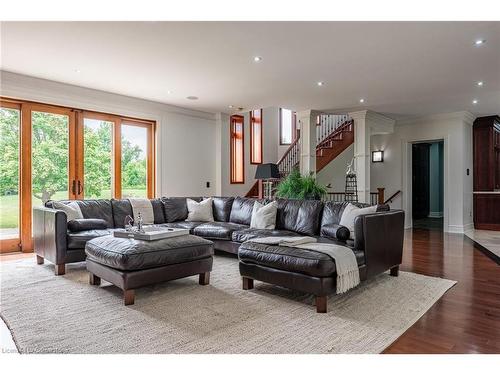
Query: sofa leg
[(129, 297), (247, 283), (60, 269), (394, 271), (204, 278), (39, 259), (321, 303), (94, 280)]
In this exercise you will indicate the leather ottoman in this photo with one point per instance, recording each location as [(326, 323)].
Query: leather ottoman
[(299, 269), (130, 264)]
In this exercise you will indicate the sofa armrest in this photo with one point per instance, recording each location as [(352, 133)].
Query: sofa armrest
[(380, 235), (335, 231), (49, 231)]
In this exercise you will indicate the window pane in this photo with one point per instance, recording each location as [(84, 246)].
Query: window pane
[(286, 133), (97, 162), (134, 161), (237, 156), (9, 173), (256, 136), (50, 156)]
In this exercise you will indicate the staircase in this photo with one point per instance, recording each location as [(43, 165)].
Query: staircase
[(334, 133)]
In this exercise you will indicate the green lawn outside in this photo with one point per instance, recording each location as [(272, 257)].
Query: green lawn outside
[(9, 204)]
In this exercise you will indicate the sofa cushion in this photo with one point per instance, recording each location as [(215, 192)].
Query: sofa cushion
[(249, 233), (200, 211), (351, 212), (158, 212), (71, 209), (222, 208), (175, 208), (301, 216), (129, 255), (332, 211), (77, 240), (97, 209), (291, 259), (241, 210), (217, 230), (336, 231), (78, 225), (264, 216), (121, 209)]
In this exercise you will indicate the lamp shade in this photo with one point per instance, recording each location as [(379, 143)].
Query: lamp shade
[(267, 171)]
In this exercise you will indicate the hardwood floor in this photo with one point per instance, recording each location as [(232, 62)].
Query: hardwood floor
[(467, 318)]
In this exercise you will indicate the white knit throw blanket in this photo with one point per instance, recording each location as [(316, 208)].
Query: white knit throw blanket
[(144, 207), (345, 260)]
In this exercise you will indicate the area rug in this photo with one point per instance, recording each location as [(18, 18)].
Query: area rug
[(64, 314)]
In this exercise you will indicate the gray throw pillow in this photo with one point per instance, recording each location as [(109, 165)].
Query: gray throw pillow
[(71, 209), (264, 216), (200, 211)]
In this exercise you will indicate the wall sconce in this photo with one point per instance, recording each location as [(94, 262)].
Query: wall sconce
[(378, 156)]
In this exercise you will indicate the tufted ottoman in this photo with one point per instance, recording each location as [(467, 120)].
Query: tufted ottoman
[(130, 264)]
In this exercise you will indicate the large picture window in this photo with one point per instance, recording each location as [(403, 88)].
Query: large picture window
[(52, 152), (256, 136), (237, 152), (288, 127)]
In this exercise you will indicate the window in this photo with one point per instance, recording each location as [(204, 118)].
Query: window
[(256, 136), (237, 150), (288, 126)]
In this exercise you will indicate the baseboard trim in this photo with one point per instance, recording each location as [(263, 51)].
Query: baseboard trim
[(436, 214), (459, 228)]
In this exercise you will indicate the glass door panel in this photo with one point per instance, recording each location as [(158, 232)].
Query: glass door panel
[(97, 158), (50, 157), (134, 152), (10, 122)]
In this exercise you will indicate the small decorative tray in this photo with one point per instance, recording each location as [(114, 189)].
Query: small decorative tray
[(151, 233)]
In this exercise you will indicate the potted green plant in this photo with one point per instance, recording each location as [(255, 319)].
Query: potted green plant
[(296, 186)]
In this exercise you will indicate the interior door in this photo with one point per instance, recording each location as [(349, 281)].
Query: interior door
[(420, 180)]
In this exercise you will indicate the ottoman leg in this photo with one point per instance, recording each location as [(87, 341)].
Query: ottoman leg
[(204, 278), (128, 297), (39, 259), (394, 271), (60, 269), (321, 303), (247, 283), (94, 280)]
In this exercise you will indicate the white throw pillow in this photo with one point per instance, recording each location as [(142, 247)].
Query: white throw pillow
[(350, 213), (264, 217), (71, 209), (200, 211)]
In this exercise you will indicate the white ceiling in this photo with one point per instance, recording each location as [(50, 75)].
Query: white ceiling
[(401, 69)]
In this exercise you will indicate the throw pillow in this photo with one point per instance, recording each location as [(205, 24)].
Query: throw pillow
[(264, 216), (350, 213), (71, 209), (200, 211)]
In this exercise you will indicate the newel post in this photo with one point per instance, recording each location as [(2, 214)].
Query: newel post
[(381, 198), (260, 185)]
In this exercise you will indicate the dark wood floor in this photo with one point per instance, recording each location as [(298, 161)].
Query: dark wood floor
[(467, 318)]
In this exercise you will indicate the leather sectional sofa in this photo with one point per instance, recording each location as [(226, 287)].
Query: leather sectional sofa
[(378, 240)]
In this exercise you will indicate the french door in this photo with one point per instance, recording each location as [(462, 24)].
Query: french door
[(53, 153)]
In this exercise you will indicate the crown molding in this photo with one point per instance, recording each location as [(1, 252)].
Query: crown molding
[(464, 116)]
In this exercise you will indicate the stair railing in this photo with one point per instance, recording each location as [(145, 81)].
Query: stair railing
[(290, 158), (327, 124), (348, 125)]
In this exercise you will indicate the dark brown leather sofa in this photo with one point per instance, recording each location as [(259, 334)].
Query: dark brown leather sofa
[(378, 245)]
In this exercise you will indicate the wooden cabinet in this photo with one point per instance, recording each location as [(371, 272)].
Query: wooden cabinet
[(486, 149)]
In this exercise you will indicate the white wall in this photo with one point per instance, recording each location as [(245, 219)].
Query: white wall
[(334, 173), (186, 139), (271, 150), (395, 172)]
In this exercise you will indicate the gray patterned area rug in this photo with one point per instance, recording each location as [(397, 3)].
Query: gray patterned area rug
[(64, 314)]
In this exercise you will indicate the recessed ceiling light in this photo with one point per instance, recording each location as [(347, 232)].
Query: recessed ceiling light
[(231, 106), (257, 58), (191, 97), (361, 100), (320, 83), (169, 92), (479, 42), (78, 71), (475, 101), (480, 83)]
